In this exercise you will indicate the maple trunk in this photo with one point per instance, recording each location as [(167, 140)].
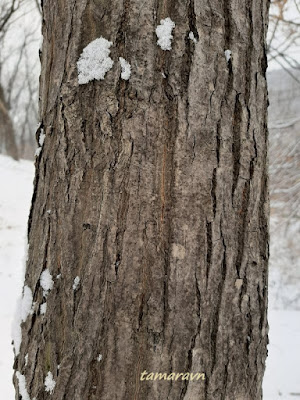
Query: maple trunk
[(154, 192)]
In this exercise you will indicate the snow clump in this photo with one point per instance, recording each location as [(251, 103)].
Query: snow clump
[(49, 383), (42, 138), (43, 308), (94, 61), (46, 281), (164, 33), (38, 151), (126, 69), (24, 308), (228, 55), (76, 283), (26, 303), (22, 386), (192, 37)]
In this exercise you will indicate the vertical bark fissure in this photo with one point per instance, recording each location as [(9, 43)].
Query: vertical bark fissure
[(209, 249), (249, 55), (242, 225), (188, 368), (189, 53), (228, 23), (213, 191), (217, 309), (193, 19), (236, 142), (33, 370)]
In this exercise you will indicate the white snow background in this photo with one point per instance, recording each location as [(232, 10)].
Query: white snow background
[(15, 195)]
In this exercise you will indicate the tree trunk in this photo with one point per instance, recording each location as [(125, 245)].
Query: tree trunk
[(7, 132), (153, 192)]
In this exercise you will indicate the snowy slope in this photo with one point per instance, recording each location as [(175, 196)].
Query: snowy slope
[(15, 196), (281, 380)]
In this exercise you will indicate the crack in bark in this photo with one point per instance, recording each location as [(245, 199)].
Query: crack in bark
[(209, 250), (216, 316), (213, 191), (242, 225), (227, 27), (248, 58), (188, 55), (236, 142), (193, 342)]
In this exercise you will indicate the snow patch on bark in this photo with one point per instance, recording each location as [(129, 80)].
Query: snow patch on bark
[(43, 308), (46, 281), (94, 61), (228, 55), (42, 138), (24, 308), (26, 303), (164, 33), (22, 386), (192, 37), (49, 383), (76, 283), (38, 151), (126, 69)]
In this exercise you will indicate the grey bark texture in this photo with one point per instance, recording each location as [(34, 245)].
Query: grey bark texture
[(154, 191)]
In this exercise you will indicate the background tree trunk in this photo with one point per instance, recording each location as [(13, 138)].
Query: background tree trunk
[(154, 192), (7, 132)]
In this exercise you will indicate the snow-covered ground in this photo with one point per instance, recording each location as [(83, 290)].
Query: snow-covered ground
[(15, 195), (282, 375)]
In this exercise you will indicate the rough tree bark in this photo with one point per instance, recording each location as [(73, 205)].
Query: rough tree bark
[(154, 192), (7, 133)]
